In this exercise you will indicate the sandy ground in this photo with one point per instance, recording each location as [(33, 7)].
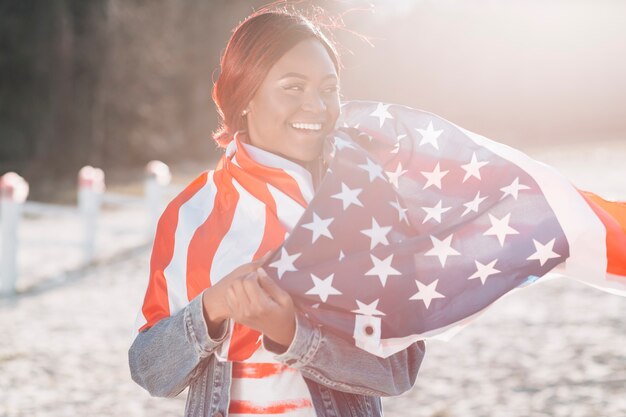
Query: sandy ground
[(556, 349)]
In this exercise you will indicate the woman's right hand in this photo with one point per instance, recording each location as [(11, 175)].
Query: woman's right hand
[(214, 298)]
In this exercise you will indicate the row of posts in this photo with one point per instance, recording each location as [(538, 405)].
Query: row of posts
[(91, 188)]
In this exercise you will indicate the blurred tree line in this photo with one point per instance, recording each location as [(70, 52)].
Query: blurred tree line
[(116, 83), (112, 83)]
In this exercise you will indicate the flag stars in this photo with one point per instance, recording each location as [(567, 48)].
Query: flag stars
[(513, 189), (473, 205), (382, 113), (341, 143), (394, 176), (285, 263), (484, 271), (500, 228), (348, 196), (543, 252), (323, 287), (401, 210), (472, 169), (435, 212), (373, 170), (396, 146), (442, 249), (319, 227), (382, 268), (370, 309), (430, 135), (426, 293), (434, 177), (377, 234)]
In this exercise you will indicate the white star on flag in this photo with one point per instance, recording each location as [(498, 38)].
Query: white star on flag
[(484, 271), (442, 249), (543, 252), (319, 227), (430, 135), (435, 212), (373, 169), (377, 234), (434, 177), (401, 210), (473, 205), (513, 189), (382, 268), (396, 146), (341, 143), (394, 176), (472, 169), (426, 293), (323, 287), (500, 228), (368, 309), (285, 263), (348, 196), (382, 113), (341, 255)]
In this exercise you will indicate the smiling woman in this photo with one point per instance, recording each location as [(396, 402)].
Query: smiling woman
[(297, 104), (212, 319)]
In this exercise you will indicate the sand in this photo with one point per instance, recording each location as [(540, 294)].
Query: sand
[(555, 349)]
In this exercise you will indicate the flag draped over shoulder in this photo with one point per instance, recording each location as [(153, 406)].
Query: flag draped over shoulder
[(419, 225), (227, 217)]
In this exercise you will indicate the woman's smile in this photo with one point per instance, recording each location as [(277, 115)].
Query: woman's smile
[(297, 104)]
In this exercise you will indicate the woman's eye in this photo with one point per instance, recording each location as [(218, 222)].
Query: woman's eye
[(330, 90), (293, 88)]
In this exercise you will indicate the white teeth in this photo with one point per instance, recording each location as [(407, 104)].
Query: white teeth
[(307, 126)]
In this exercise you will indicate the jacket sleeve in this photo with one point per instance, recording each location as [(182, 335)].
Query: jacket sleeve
[(164, 358), (338, 364)]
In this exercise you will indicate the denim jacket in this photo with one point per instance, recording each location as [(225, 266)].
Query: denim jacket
[(343, 380)]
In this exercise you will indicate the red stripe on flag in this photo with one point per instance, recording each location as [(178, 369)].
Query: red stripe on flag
[(274, 232), (613, 216), (264, 174), (156, 304), (209, 235), (277, 407), (258, 370)]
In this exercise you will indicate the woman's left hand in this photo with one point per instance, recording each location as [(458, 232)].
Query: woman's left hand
[(259, 303)]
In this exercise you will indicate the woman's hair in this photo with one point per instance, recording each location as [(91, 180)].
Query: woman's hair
[(255, 46)]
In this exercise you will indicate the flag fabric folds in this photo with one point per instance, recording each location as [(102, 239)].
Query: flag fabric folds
[(419, 225)]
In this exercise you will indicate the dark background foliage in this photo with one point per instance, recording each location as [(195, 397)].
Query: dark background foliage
[(116, 83)]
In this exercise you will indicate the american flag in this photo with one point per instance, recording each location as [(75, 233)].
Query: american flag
[(419, 225)]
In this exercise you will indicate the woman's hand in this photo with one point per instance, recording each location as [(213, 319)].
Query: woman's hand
[(250, 297), (259, 303), (214, 298)]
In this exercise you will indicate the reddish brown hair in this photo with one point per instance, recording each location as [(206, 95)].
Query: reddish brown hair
[(255, 46)]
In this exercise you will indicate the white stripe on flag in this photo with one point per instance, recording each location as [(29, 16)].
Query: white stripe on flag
[(244, 237), (288, 210), (191, 215)]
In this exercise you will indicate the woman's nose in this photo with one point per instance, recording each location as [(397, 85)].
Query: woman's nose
[(314, 103)]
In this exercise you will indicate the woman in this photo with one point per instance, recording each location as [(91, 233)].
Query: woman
[(212, 320)]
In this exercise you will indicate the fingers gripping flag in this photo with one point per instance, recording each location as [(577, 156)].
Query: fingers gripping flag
[(419, 225)]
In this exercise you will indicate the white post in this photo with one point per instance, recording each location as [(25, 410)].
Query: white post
[(90, 189), (157, 177), (13, 193)]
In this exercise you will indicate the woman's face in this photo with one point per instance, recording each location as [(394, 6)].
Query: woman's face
[(297, 103)]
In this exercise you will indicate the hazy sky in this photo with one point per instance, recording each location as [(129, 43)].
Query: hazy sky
[(522, 69)]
